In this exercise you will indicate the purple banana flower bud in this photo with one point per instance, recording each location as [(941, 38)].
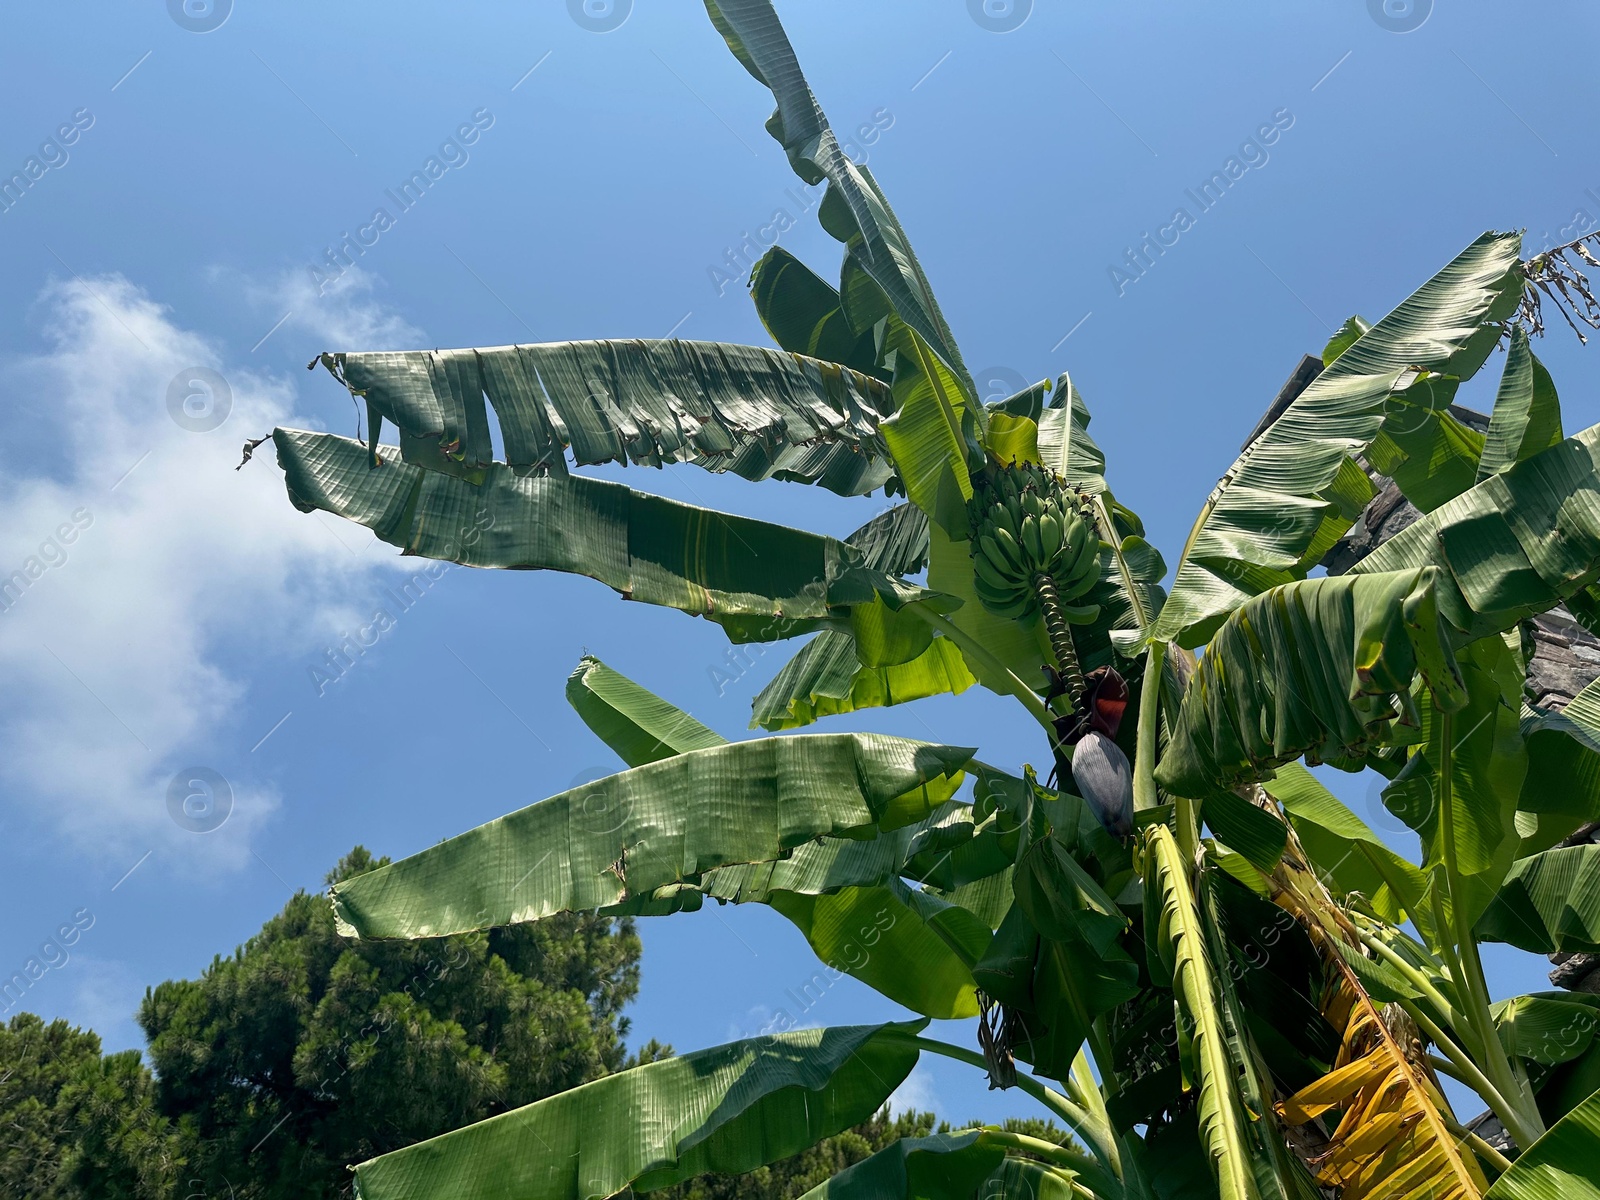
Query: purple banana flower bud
[(1105, 780)]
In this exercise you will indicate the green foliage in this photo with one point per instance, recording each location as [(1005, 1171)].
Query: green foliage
[(304, 1052)]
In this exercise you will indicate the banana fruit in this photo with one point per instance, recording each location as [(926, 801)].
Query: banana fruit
[(1026, 522)]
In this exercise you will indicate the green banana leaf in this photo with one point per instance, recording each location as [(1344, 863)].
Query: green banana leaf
[(928, 436), (1561, 1164), (827, 678), (944, 1166), (1517, 544), (1468, 823), (758, 580), (1431, 456), (1548, 1027), (1176, 939), (1064, 442), (639, 725), (757, 412), (655, 827), (854, 209), (1347, 855), (1527, 414), (1320, 668), (1561, 791), (1295, 489), (912, 946), (1549, 902), (732, 1108), (805, 314), (1243, 827)]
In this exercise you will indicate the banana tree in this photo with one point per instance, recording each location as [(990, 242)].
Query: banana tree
[(1178, 942)]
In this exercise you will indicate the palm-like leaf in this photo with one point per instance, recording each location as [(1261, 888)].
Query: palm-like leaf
[(731, 1108), (1294, 489), (1561, 1164), (760, 581), (1518, 543), (654, 828), (747, 409), (1321, 668)]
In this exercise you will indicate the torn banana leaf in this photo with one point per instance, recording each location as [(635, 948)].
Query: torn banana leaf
[(757, 412), (760, 581), (1320, 668), (1295, 489), (731, 1108), (654, 827), (1517, 544)]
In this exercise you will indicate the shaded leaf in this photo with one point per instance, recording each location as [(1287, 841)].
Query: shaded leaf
[(1527, 415), (1561, 1164), (1549, 903)]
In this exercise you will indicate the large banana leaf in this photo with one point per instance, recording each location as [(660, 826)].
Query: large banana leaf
[(1549, 903), (1296, 485), (760, 581), (657, 826), (748, 409), (854, 209), (827, 677), (639, 725), (731, 1109), (1319, 668), (1176, 937), (1517, 544), (1561, 1164)]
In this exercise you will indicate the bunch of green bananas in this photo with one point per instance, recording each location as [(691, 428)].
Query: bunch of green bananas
[(1025, 523)]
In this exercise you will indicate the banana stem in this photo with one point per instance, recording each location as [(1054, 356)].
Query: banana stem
[(1144, 759), (1060, 635)]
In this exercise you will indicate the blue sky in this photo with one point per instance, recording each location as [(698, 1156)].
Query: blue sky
[(613, 174)]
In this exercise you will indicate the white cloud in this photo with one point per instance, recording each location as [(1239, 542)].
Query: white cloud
[(150, 570), (347, 316), (916, 1093)]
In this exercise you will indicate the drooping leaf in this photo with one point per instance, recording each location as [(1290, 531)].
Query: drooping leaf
[(1561, 1164), (1296, 484), (639, 725), (731, 1108), (1562, 787), (1177, 937), (854, 209), (1517, 544), (654, 827), (757, 412), (943, 1166), (1390, 1138), (803, 313), (1459, 789), (1320, 668), (1431, 455), (911, 946), (760, 581), (1527, 414), (1549, 902), (1347, 855)]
